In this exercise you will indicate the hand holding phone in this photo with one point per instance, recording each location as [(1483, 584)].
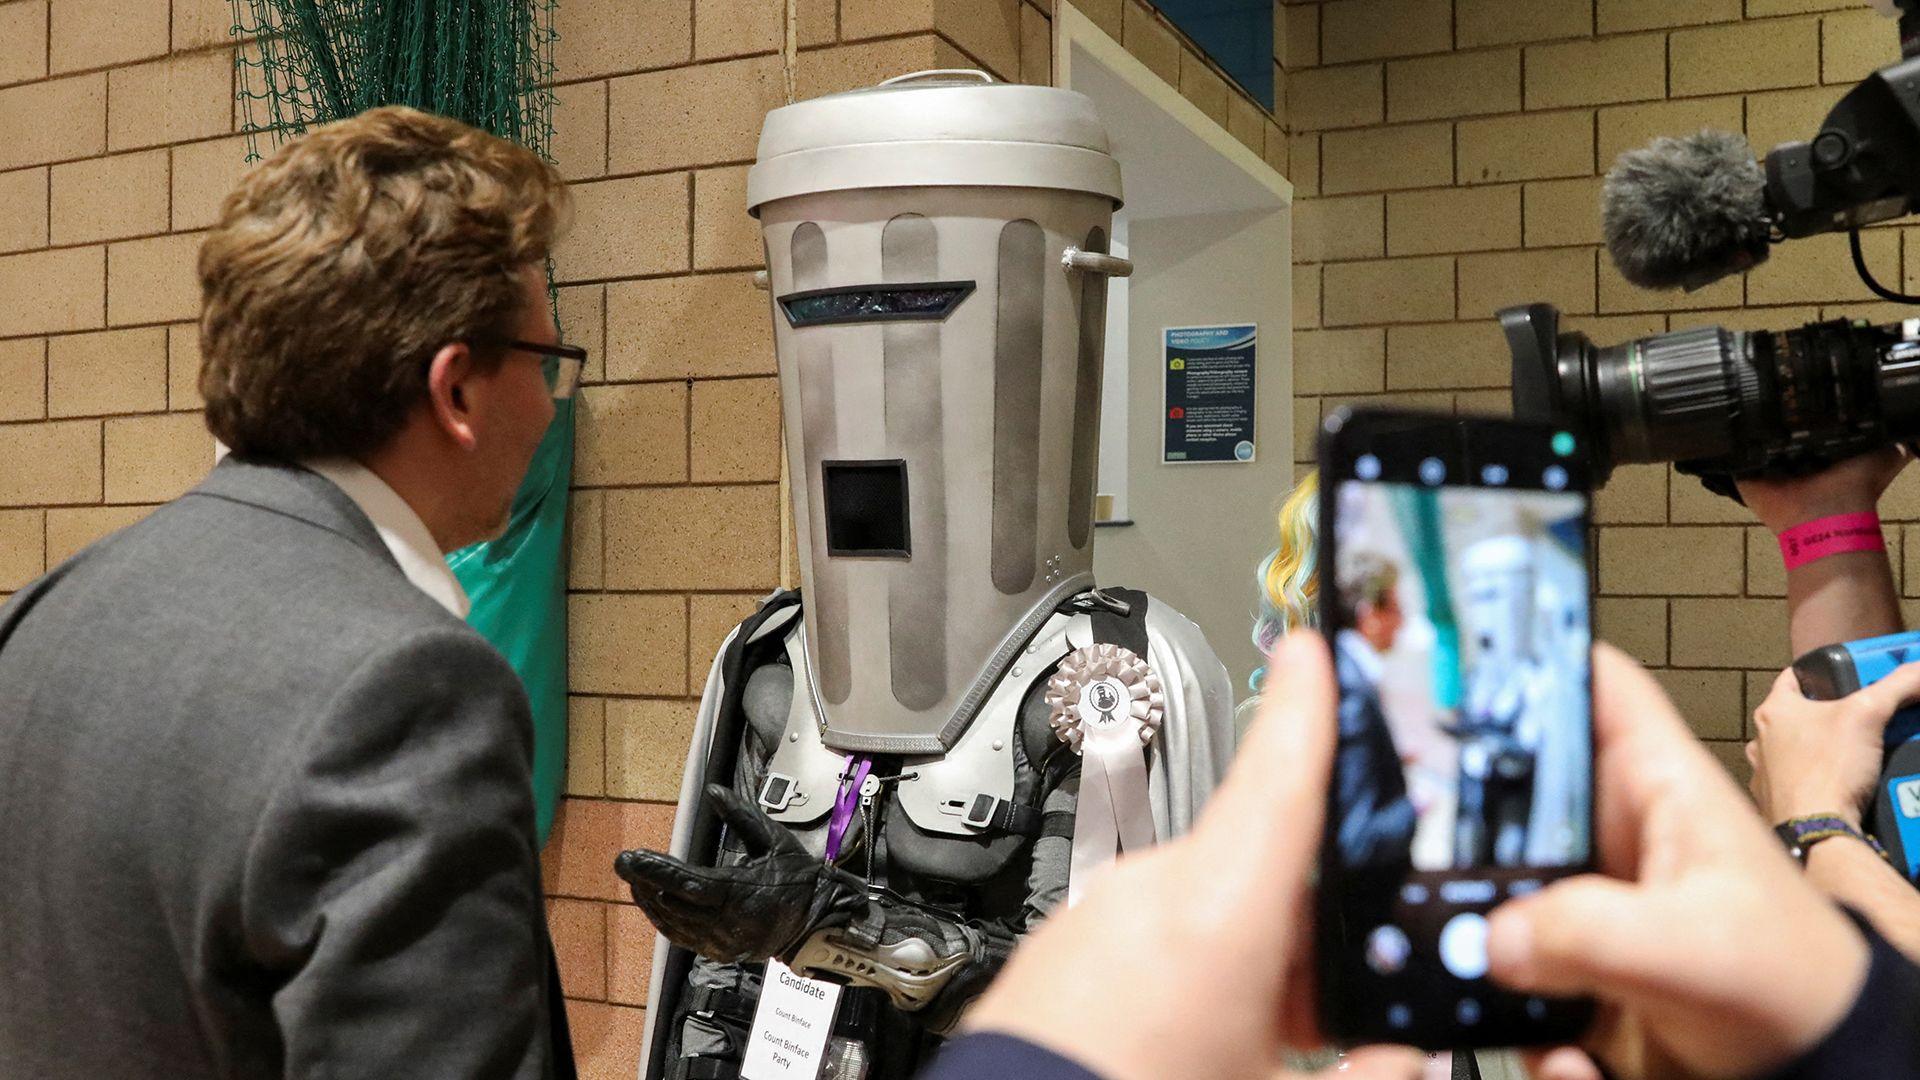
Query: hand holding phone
[(1454, 590), (1189, 959), (1712, 955)]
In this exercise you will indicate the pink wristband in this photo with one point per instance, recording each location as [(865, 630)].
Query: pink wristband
[(1834, 535)]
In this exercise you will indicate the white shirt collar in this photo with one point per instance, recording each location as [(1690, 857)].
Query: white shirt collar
[(405, 535), (1362, 653)]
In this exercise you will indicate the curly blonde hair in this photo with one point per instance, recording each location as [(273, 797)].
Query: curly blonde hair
[(1289, 587), (345, 261)]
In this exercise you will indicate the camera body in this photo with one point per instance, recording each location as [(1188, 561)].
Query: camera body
[(1726, 404), (1862, 166), (1723, 404), (1832, 672)]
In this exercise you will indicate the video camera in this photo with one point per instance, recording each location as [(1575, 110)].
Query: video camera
[(1838, 670), (1687, 212)]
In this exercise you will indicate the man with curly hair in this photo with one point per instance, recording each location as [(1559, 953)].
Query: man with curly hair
[(268, 797)]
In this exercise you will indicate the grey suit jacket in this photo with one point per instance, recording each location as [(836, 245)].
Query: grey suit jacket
[(265, 809)]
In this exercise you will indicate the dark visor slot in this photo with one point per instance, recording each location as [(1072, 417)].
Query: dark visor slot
[(930, 301)]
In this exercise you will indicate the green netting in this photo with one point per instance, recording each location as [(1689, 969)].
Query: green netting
[(488, 63)]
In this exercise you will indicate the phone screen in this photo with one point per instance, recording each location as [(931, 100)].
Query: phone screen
[(1454, 592)]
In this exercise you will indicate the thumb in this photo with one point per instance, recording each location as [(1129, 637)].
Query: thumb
[(654, 878), (1562, 1063), (1578, 936), (1374, 1063), (1786, 684)]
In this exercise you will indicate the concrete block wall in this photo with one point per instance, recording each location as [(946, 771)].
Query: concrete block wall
[(118, 138), (117, 141), (1449, 154)]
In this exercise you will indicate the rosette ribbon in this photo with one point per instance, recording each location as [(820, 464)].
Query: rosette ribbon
[(1106, 704)]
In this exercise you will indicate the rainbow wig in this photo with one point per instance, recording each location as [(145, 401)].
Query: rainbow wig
[(1289, 588)]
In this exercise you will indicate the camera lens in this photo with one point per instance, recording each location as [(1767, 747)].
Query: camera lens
[(1673, 397), (1670, 397), (1720, 403)]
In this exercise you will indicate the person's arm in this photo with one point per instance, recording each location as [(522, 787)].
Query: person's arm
[(1822, 759), (1877, 1037), (989, 1055), (1841, 597), (1850, 872), (392, 890)]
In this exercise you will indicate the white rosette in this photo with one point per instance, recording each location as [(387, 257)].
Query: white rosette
[(1107, 704)]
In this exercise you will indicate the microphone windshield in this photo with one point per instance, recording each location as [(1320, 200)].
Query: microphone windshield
[(1686, 212)]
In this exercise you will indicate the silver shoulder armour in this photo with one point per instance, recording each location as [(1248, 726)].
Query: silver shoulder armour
[(803, 776), (960, 792)]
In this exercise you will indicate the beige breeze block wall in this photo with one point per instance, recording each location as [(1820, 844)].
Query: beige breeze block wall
[(1450, 152), (117, 142)]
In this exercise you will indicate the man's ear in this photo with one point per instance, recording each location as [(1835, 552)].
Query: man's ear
[(449, 396)]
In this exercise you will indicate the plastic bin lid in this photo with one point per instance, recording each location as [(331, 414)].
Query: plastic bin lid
[(946, 128)]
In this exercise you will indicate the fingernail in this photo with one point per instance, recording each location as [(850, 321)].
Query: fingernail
[(1510, 943)]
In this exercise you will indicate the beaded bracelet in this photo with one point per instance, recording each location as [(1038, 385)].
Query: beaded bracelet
[(1801, 833)]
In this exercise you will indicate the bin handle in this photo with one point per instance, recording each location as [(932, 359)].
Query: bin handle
[(1095, 262), (939, 73)]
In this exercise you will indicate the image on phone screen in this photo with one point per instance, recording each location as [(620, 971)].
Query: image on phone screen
[(1456, 603)]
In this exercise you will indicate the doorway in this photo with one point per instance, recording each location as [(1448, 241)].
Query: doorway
[(1207, 223)]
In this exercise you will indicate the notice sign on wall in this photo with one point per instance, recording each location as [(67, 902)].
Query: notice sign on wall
[(1209, 393)]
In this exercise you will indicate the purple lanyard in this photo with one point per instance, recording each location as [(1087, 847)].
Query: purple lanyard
[(845, 801)]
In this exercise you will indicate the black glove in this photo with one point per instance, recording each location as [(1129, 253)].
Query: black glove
[(764, 907)]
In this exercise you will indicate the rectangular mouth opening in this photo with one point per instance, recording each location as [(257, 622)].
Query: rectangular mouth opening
[(866, 508)]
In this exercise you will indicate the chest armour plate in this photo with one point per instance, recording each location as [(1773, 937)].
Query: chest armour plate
[(944, 794)]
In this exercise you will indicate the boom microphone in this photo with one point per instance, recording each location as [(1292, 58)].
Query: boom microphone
[(1686, 212)]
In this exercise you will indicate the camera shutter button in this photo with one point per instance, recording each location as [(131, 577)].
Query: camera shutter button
[(1463, 945)]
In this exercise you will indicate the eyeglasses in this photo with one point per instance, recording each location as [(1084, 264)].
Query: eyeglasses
[(560, 364)]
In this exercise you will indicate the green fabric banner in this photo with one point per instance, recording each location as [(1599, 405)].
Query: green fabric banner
[(1418, 511), (488, 63), (518, 585)]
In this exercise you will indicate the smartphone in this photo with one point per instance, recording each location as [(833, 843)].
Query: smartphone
[(1455, 592)]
